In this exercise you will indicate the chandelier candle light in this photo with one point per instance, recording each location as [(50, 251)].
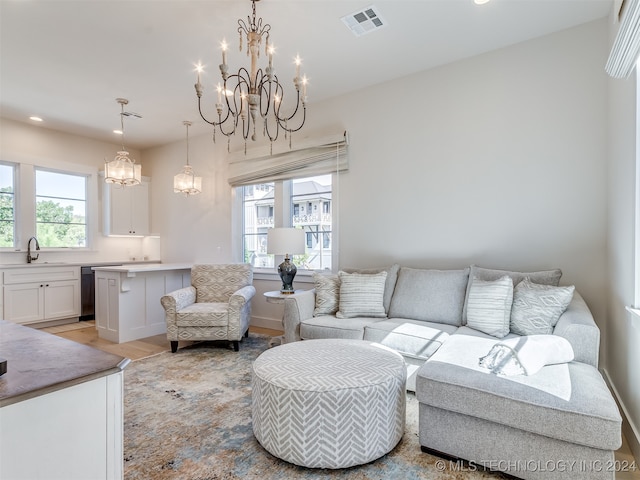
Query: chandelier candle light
[(245, 95), (122, 170), (186, 181), (286, 241)]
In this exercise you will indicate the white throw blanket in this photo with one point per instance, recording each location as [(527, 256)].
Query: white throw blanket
[(527, 354)]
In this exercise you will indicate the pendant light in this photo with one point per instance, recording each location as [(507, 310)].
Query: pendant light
[(186, 181)]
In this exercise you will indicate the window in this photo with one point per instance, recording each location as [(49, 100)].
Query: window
[(257, 217), (259, 202), (299, 195), (7, 206), (61, 209), (316, 222)]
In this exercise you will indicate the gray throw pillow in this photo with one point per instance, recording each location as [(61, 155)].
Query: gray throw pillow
[(361, 295), (542, 277), (489, 306), (430, 295), (537, 308), (327, 294), (390, 284)]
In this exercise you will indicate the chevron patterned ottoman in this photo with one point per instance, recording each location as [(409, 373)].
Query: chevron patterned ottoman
[(329, 403)]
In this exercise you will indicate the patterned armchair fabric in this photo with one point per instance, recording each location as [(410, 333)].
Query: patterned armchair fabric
[(217, 305)]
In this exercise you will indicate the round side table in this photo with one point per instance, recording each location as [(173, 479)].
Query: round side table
[(276, 297)]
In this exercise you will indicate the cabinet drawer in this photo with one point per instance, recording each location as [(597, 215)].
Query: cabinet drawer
[(41, 274)]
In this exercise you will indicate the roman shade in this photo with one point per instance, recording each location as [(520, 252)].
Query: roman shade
[(317, 156), (626, 46)]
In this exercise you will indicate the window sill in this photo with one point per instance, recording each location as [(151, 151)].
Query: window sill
[(303, 276), (635, 313)]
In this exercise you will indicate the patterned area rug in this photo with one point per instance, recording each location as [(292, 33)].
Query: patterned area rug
[(187, 416)]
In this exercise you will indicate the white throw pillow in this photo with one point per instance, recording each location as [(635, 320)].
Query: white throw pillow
[(361, 295), (327, 293), (537, 308), (489, 306)]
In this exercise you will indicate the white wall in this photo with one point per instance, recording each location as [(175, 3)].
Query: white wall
[(623, 329), (195, 228), (498, 160), (35, 145)]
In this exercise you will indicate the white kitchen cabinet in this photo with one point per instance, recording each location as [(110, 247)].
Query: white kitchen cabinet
[(61, 408), (126, 209), (38, 294)]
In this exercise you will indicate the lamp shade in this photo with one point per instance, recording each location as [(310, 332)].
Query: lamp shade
[(282, 241)]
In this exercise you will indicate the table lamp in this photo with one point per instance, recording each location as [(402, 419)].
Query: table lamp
[(286, 241)]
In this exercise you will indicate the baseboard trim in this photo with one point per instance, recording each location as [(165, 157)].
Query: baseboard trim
[(628, 427), (265, 322)]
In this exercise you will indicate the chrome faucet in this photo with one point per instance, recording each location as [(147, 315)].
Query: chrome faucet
[(31, 258)]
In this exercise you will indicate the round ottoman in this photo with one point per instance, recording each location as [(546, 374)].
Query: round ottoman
[(329, 403)]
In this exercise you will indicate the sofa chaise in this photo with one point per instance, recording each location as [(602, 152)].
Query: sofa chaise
[(504, 364)]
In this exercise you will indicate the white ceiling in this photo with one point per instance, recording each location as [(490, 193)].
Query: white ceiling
[(68, 60)]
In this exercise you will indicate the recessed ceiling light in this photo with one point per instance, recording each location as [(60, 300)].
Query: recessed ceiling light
[(480, 2), (35, 119), (118, 132)]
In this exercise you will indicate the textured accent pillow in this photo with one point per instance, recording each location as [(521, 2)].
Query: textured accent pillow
[(327, 293), (390, 284), (537, 308), (489, 306), (430, 295), (542, 277), (361, 295)]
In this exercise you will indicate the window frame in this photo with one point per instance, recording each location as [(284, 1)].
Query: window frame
[(25, 202), (16, 214), (86, 178)]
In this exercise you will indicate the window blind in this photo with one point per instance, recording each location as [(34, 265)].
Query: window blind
[(626, 46), (313, 157)]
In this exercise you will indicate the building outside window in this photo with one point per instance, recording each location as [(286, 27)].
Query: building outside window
[(257, 210), (316, 222), (310, 206), (7, 206), (61, 209)]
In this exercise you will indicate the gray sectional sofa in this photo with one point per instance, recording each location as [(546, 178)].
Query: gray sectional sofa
[(504, 364)]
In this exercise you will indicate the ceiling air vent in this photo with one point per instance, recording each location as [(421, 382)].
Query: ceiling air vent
[(364, 21)]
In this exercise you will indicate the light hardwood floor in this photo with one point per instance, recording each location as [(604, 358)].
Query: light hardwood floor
[(86, 333)]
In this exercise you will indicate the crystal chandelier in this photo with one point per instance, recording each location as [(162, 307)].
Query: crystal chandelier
[(248, 95), (122, 170), (186, 181)]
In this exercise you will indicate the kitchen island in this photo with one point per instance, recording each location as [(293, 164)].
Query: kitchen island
[(60, 408), (128, 298)]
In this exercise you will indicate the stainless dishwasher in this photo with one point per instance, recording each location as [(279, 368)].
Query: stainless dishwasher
[(87, 293)]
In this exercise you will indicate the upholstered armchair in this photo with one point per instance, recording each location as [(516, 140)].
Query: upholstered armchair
[(217, 305)]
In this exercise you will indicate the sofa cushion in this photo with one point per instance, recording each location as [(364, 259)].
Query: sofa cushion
[(542, 277), (537, 308), (430, 295), (390, 284), (327, 288), (572, 398), (489, 305), (329, 326), (361, 295), (411, 338)]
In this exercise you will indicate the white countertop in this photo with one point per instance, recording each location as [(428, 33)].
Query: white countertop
[(5, 266), (144, 267)]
